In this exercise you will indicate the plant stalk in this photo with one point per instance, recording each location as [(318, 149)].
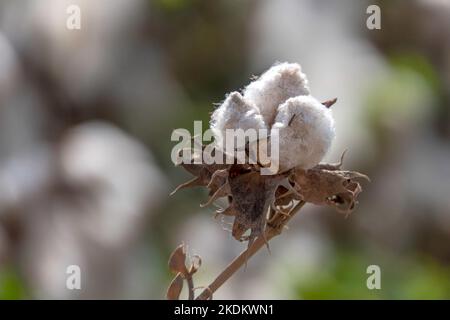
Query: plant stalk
[(274, 228)]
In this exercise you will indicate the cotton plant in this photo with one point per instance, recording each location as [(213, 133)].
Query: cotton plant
[(279, 101)]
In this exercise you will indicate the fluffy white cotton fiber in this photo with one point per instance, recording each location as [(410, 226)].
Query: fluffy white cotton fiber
[(306, 130), (235, 113), (280, 100), (275, 86)]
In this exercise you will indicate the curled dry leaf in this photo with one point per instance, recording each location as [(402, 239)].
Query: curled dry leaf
[(175, 287), (177, 260), (336, 188), (177, 264), (195, 264)]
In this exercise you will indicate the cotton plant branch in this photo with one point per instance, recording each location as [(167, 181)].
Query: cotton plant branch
[(274, 229), (177, 260), (325, 184), (262, 204)]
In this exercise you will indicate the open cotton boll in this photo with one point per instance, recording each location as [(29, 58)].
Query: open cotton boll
[(275, 86), (306, 130), (235, 113)]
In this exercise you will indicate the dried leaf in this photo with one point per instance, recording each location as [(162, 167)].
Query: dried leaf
[(336, 188), (177, 260), (175, 287)]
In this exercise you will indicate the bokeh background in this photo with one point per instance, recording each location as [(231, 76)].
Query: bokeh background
[(86, 118)]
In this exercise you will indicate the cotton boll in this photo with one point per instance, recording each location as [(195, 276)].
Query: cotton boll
[(235, 113), (274, 87), (306, 130)]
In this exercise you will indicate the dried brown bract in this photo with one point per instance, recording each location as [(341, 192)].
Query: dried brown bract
[(253, 199)]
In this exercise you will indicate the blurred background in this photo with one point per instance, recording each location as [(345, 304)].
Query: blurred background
[(86, 118)]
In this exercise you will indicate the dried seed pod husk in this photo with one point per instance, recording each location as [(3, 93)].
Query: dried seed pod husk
[(196, 263), (253, 198)]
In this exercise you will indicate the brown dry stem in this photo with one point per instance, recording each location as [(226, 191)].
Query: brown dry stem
[(274, 228)]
